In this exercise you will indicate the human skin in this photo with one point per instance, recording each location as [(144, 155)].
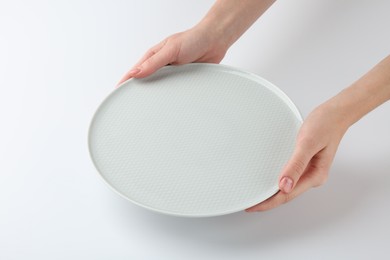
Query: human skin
[(321, 132), (208, 41)]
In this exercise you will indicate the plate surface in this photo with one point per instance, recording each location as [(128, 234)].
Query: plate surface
[(194, 140)]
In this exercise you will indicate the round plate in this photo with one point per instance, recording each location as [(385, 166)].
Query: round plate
[(194, 140)]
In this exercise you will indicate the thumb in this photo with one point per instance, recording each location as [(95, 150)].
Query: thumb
[(294, 169)]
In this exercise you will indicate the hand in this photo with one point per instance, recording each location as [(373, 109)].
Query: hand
[(308, 167), (321, 133), (199, 44), (207, 42)]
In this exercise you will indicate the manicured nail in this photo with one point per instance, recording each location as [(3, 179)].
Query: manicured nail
[(134, 72), (128, 75), (286, 184)]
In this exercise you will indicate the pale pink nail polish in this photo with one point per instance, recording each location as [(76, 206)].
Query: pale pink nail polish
[(286, 184), (134, 72)]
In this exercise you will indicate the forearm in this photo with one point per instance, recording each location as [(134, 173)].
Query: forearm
[(229, 19), (370, 91)]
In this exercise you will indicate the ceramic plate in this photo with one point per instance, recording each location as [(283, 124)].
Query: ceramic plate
[(194, 140)]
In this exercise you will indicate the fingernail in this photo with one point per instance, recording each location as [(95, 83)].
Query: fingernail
[(286, 184), (134, 72)]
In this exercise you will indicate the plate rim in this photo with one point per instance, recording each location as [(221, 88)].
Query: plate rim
[(230, 69)]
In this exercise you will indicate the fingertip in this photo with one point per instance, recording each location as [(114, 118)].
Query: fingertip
[(142, 74), (130, 74), (258, 207), (286, 184), (250, 210), (119, 83), (146, 70), (293, 170), (134, 72)]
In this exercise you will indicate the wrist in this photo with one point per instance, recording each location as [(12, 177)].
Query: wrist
[(216, 31), (363, 96), (229, 19)]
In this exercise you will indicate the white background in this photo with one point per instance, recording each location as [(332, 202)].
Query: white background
[(59, 59)]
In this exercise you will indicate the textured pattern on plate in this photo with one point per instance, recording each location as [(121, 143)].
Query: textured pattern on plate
[(194, 140)]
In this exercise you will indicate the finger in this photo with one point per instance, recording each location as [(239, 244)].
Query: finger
[(158, 60), (128, 75), (152, 51), (314, 175), (304, 184), (135, 70), (294, 168)]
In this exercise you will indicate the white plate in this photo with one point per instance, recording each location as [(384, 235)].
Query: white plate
[(194, 140)]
